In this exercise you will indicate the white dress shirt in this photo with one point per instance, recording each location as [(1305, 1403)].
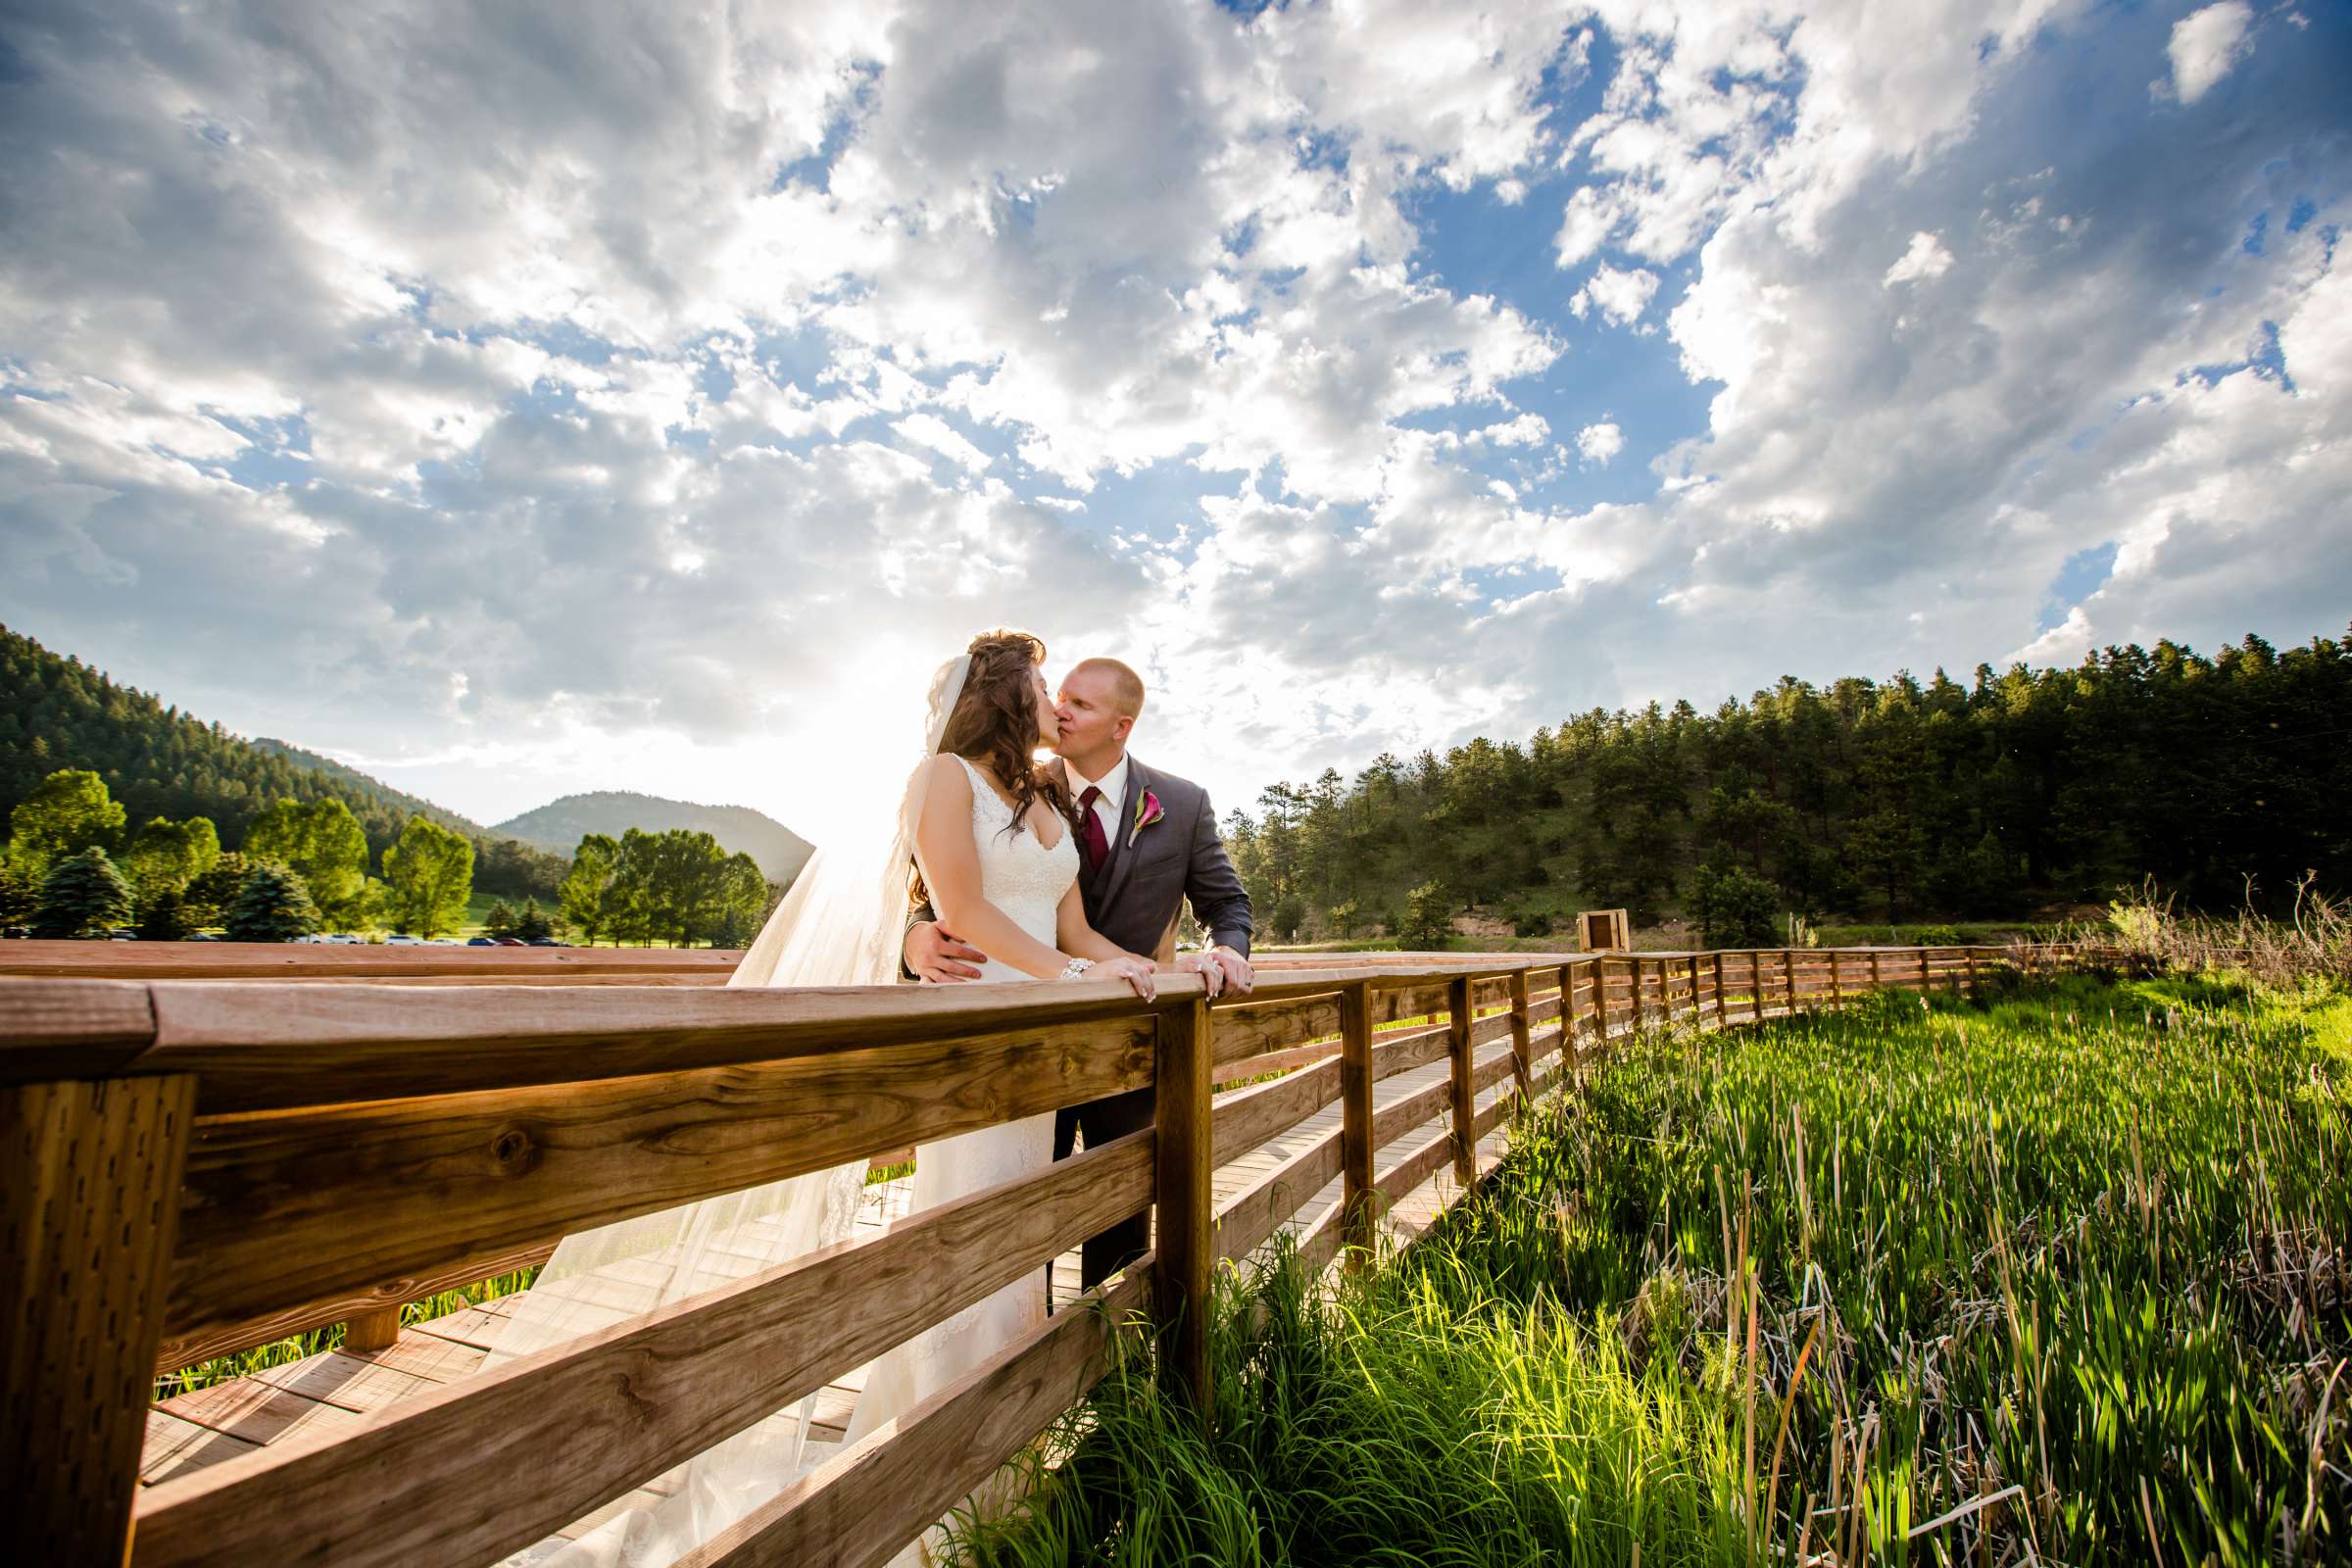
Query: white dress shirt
[(1113, 786)]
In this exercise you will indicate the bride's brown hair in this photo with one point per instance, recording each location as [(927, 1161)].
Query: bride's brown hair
[(995, 719)]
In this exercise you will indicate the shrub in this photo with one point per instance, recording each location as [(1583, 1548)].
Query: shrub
[(82, 896), (1428, 923), (1736, 909), (273, 905)]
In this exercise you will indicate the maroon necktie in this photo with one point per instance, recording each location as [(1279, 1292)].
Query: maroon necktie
[(1098, 848)]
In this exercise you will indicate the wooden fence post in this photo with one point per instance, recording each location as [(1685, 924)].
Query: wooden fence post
[(1975, 991), (1465, 1107), (1523, 1050), (1718, 967), (1356, 1193), (1698, 996), (90, 1176), (1927, 976), (1875, 982), (1788, 965), (371, 1330), (1183, 1247), (1569, 1059), (1836, 980)]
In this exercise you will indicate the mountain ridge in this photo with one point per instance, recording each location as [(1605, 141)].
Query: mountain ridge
[(559, 826)]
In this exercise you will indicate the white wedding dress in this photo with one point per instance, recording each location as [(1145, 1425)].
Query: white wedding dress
[(840, 926), (1027, 879)]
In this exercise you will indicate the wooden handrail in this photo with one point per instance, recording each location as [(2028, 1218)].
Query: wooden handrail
[(313, 1146)]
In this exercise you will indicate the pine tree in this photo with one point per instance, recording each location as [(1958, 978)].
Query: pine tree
[(165, 919), (1428, 925), (83, 896), (533, 924), (273, 905), (501, 920)]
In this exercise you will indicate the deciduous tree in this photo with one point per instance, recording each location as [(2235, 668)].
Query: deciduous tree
[(428, 877)]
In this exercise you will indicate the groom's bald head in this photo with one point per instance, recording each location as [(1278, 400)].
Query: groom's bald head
[(1121, 688), (1096, 709)]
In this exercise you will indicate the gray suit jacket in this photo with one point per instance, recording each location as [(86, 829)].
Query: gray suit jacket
[(1135, 897)]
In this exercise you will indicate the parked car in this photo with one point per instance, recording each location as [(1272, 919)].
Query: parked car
[(17, 933), (202, 936), (481, 942), (545, 942), (401, 939), (446, 942), (510, 942), (123, 933)]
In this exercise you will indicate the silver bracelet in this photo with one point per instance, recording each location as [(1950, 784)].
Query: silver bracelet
[(1076, 967)]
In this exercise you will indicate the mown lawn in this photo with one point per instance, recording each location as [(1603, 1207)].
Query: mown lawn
[(2060, 1280)]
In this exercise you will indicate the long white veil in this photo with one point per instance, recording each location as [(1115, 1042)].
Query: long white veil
[(841, 924)]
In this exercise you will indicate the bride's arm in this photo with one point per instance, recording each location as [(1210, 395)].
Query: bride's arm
[(1081, 940), (952, 868)]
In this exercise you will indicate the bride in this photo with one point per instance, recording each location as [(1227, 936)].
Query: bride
[(985, 833)]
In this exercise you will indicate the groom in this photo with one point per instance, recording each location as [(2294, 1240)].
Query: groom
[(1147, 841)]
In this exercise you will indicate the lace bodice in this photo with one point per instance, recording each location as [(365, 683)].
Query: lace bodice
[(1018, 874)]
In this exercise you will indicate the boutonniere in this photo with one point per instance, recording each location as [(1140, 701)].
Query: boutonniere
[(1146, 812)]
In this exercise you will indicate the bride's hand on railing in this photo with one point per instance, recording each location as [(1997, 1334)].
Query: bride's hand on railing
[(1134, 971)]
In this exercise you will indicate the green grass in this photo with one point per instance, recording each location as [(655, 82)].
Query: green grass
[(2089, 1242)]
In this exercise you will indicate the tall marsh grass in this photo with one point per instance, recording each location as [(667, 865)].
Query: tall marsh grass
[(2060, 1280)]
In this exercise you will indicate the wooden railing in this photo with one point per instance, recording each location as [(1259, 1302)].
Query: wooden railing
[(194, 1165)]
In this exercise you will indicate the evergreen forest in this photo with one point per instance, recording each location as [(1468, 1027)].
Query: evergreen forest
[(58, 713), (2222, 778)]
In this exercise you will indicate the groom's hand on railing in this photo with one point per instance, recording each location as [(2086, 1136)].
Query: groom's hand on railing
[(1221, 969), (933, 954)]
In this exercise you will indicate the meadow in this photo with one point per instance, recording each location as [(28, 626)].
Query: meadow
[(2059, 1278)]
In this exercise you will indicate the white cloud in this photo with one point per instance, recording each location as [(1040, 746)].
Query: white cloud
[(1620, 295), (931, 431), (2206, 46), (1925, 258), (688, 384)]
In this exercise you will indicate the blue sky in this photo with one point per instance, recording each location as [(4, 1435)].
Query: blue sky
[(522, 398)]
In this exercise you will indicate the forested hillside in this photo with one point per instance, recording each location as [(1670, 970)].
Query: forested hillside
[(58, 713), (1882, 799), (560, 825)]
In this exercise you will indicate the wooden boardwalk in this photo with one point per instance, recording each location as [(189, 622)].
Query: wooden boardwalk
[(323, 1396)]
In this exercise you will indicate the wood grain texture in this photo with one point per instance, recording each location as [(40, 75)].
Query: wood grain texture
[(1248, 1217), (89, 1172), (1356, 1146), (1274, 1061), (1185, 1247), (473, 1470), (177, 1351), (1416, 1167), (1253, 1031), (862, 1506), (447, 1183), (1402, 1052), (271, 1047), (1458, 1046), (1244, 1119), (53, 1029)]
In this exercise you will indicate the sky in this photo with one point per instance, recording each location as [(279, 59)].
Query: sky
[(515, 398)]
